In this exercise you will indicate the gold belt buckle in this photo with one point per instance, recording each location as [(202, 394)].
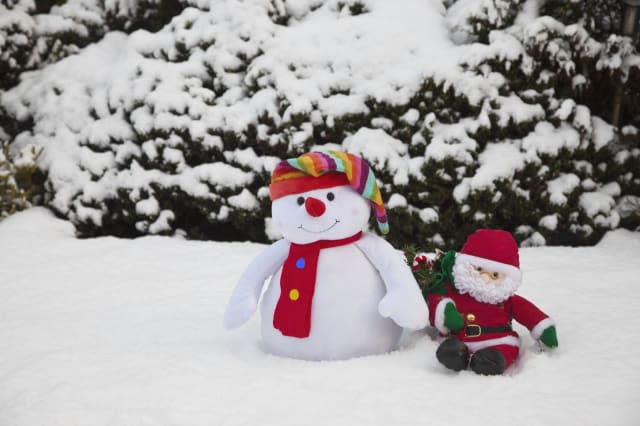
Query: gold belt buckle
[(475, 329)]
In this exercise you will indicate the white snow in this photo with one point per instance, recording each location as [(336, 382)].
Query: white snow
[(161, 224), (497, 161), (396, 200), (596, 202), (546, 139), (411, 116), (565, 110), (450, 140), (379, 149), (247, 157), (121, 332), (559, 187), (245, 200), (549, 221), (148, 207), (428, 215), (514, 109), (535, 240), (603, 133)]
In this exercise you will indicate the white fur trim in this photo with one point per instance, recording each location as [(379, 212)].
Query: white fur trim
[(506, 340), (491, 265), (439, 316), (540, 327), (468, 280)]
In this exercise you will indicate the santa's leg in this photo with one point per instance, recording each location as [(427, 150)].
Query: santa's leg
[(453, 354), (493, 360)]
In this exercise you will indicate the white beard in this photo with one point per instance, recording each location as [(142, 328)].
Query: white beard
[(467, 280)]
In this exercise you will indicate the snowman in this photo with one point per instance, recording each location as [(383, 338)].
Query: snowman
[(336, 291)]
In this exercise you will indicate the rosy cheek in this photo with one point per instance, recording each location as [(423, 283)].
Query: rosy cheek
[(355, 211)]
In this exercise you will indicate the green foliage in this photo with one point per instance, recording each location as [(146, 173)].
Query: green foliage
[(431, 273), (605, 69), (600, 18)]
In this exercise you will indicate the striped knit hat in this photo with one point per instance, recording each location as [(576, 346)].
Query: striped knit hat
[(318, 170)]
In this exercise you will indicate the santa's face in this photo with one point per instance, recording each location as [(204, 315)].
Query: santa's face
[(483, 284), (321, 214)]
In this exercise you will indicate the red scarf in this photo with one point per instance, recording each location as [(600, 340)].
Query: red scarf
[(297, 285)]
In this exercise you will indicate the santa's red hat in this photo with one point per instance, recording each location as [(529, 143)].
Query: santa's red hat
[(493, 249)]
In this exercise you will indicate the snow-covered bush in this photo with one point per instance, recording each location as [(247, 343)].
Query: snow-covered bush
[(17, 186), (473, 20), (629, 210), (36, 33), (471, 116)]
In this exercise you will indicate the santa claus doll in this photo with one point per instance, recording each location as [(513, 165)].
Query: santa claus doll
[(474, 312)]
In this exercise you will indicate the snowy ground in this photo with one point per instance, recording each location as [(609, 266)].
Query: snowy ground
[(128, 332)]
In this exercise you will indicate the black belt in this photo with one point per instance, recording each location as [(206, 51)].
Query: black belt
[(474, 330)]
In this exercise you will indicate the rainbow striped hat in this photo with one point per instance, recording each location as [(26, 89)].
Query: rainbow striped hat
[(318, 170)]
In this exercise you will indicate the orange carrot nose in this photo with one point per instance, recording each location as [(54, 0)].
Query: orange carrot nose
[(314, 206)]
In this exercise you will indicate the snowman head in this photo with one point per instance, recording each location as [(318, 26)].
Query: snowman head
[(324, 196), (321, 214)]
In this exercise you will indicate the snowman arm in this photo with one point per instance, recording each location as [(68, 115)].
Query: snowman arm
[(403, 302), (245, 296)]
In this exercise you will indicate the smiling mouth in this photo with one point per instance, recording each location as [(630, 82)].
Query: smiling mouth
[(319, 232)]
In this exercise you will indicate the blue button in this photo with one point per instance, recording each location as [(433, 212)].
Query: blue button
[(300, 263)]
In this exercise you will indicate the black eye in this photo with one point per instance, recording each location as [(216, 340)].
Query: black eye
[(331, 196), (300, 201)]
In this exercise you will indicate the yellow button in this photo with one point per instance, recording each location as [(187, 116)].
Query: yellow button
[(294, 294), (471, 318)]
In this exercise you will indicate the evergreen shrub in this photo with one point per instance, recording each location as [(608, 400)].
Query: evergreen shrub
[(182, 138)]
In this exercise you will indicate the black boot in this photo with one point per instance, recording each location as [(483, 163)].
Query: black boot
[(488, 362), (453, 354)]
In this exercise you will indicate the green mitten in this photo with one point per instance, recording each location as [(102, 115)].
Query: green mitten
[(452, 318), (549, 338)]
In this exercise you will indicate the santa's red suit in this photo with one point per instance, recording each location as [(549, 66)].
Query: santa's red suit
[(489, 325)]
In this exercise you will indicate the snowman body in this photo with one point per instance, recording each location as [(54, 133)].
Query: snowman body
[(345, 321)]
